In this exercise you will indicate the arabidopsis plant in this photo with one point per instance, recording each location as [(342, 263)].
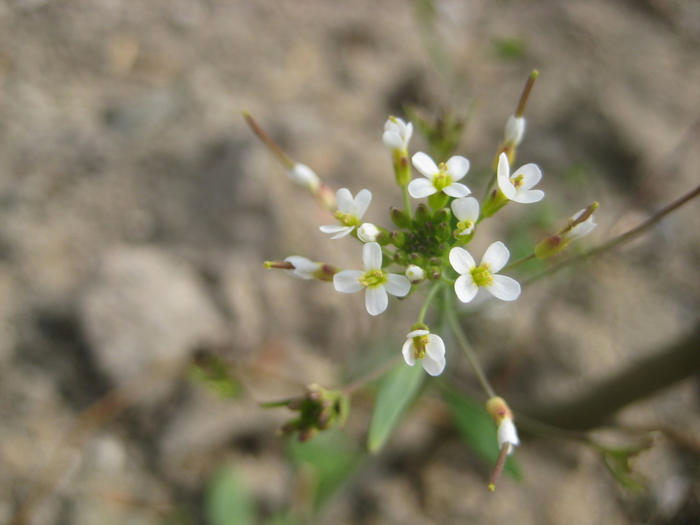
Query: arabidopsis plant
[(376, 282), (350, 212)]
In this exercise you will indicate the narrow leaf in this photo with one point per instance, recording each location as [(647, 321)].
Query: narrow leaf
[(396, 392), (227, 500)]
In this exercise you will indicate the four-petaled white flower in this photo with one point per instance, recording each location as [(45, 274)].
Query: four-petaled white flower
[(429, 348), (368, 232), (439, 178), (376, 281), (467, 213), (472, 277), (303, 267), (350, 212), (304, 176), (518, 187), (397, 134)]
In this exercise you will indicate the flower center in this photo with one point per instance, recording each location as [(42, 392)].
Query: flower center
[(373, 278), (419, 343), (346, 219), (441, 179), (517, 181), (465, 226), (482, 276)]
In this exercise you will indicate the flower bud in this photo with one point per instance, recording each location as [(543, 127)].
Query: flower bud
[(397, 238), (368, 232), (400, 218), (415, 274)]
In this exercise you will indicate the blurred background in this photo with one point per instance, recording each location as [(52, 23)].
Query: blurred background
[(139, 331)]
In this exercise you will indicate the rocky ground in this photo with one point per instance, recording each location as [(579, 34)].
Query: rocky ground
[(136, 209)]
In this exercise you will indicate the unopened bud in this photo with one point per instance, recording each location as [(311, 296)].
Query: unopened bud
[(415, 274)]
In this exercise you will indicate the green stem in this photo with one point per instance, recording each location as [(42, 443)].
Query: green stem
[(407, 201), (431, 295), (466, 347), (519, 262), (623, 238)]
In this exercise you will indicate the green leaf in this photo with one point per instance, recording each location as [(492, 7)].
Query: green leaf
[(396, 392), (227, 499), (477, 429), (328, 460)]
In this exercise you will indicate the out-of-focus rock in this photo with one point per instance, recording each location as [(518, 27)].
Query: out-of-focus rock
[(147, 311)]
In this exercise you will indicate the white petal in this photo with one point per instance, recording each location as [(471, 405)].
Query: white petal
[(343, 200), (461, 260), (504, 288), (303, 267), (465, 288), (531, 175), (503, 177), (466, 209), (422, 187), (457, 190), (409, 352), (416, 333), (425, 165), (515, 129), (434, 366), (435, 347), (392, 140), (581, 229), (361, 203), (302, 174), (457, 167), (348, 281), (333, 228), (528, 196), (376, 299), (496, 257), (408, 133), (397, 285), (507, 433), (372, 256)]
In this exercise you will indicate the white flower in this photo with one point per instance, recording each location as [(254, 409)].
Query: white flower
[(304, 176), (581, 229), (303, 267), (350, 212), (472, 276), (368, 232), (415, 274), (518, 187), (507, 433), (397, 134), (376, 281), (467, 213), (439, 178), (515, 130), (427, 347)]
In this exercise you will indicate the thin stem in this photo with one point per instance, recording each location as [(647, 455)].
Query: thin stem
[(468, 350), (407, 201), (368, 377), (526, 93), (431, 295), (267, 140), (519, 262), (623, 238), (500, 463)]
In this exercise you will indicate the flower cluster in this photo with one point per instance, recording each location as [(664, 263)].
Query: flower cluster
[(426, 248)]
